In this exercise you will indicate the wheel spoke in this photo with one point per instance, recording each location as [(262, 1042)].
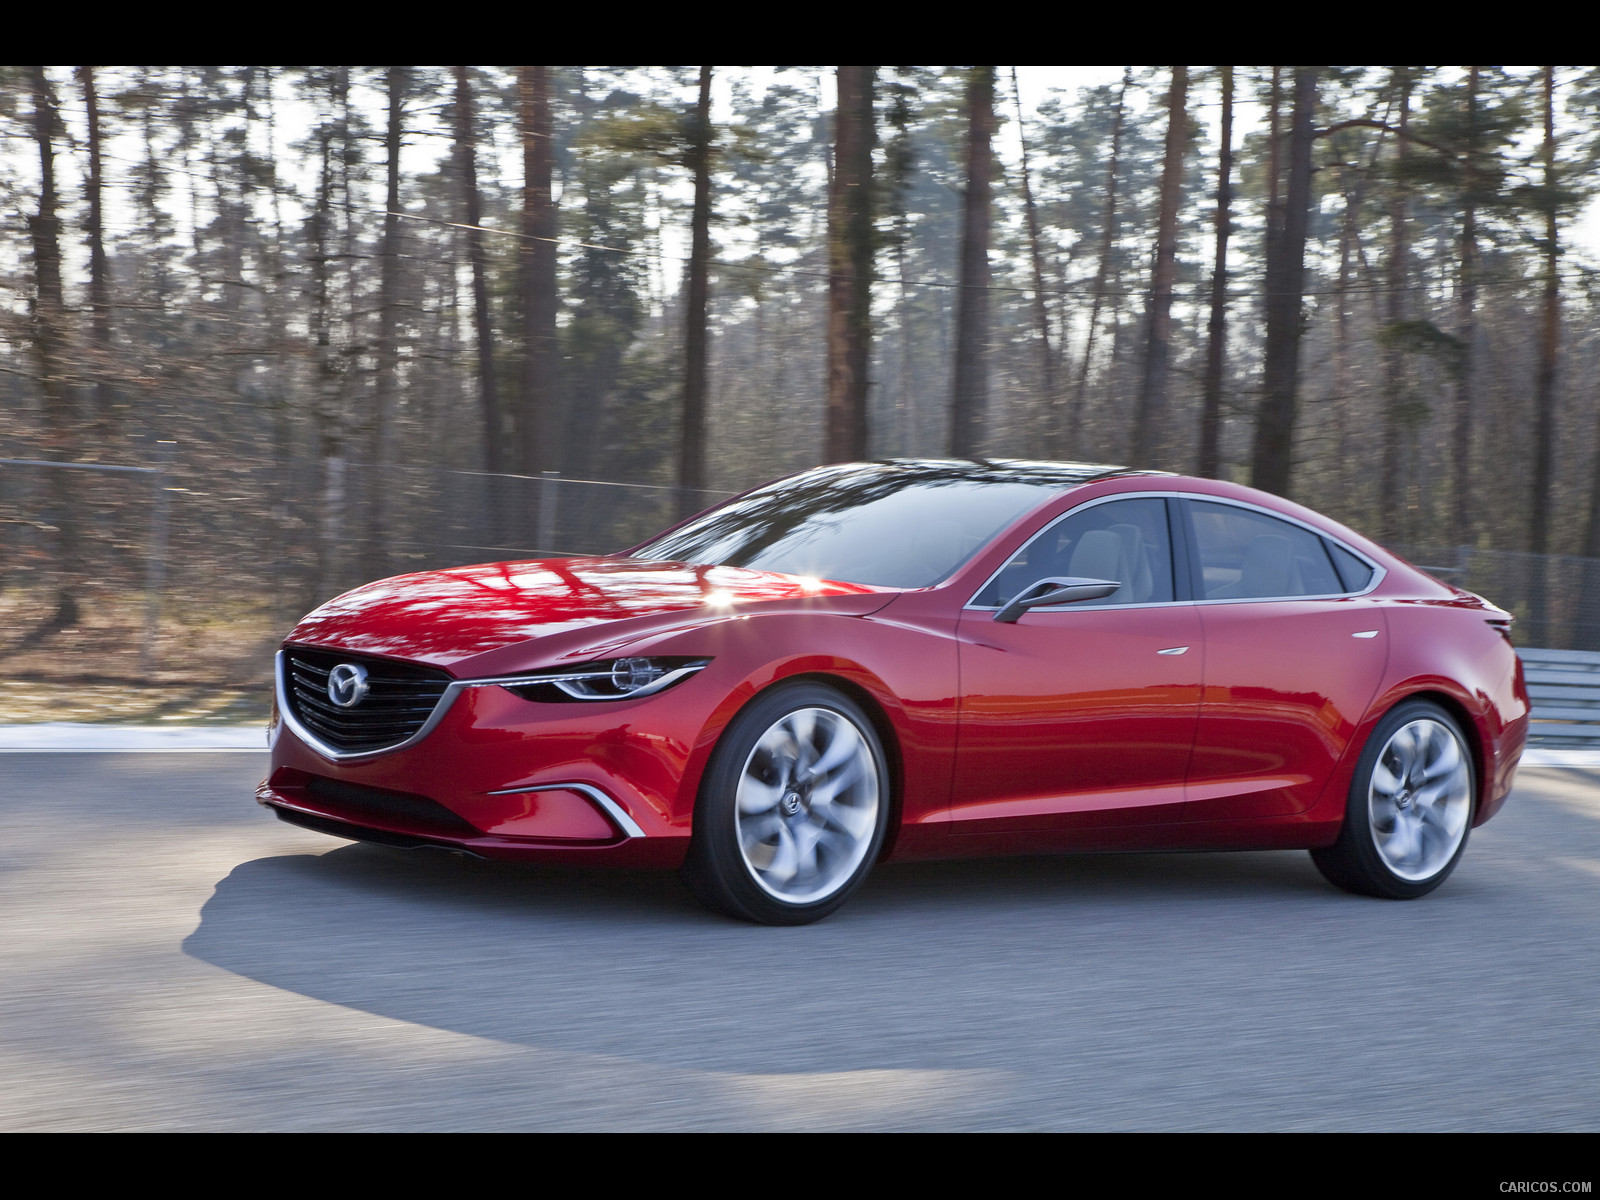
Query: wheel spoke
[(1424, 749), (1445, 815), (782, 860), (847, 775), (803, 728), (777, 749), (1401, 847), (1384, 780), (1404, 747), (806, 837), (1444, 763), (854, 820), (844, 745), (758, 797)]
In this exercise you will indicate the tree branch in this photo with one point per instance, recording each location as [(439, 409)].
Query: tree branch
[(1369, 123)]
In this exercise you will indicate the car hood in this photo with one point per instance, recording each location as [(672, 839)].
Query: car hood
[(569, 607)]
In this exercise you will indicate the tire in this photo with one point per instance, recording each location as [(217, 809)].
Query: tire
[(792, 810), (1410, 807)]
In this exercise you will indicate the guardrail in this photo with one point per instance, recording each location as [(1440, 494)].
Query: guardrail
[(1564, 689)]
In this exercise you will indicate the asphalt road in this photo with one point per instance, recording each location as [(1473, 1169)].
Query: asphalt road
[(172, 957)]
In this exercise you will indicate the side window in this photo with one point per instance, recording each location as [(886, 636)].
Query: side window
[(1123, 540), (1248, 555), (1355, 573)]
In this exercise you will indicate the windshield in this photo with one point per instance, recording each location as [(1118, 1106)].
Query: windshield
[(904, 525)]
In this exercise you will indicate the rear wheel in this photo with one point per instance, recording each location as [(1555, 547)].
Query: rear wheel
[(1409, 810), (792, 810)]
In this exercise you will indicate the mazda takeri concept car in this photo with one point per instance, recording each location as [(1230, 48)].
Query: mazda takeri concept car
[(915, 659)]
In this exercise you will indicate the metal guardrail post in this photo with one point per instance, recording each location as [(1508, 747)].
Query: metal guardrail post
[(544, 535), (156, 568)]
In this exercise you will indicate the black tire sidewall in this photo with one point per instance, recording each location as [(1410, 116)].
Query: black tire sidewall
[(716, 868)]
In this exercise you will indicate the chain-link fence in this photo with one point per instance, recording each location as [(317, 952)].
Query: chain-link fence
[(175, 565), (121, 574), (1555, 597)]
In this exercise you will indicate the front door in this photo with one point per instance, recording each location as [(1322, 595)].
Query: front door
[(1081, 715)]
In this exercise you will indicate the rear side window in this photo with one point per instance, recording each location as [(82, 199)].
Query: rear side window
[(1247, 555), (1355, 573)]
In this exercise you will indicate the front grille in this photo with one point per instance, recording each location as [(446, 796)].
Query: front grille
[(399, 700)]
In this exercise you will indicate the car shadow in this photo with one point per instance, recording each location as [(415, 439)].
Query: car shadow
[(629, 964)]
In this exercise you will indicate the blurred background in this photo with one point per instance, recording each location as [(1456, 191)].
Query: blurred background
[(267, 333)]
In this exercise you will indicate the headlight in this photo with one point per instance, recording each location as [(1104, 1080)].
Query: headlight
[(608, 679)]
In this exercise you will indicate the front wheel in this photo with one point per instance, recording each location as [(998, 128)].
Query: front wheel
[(792, 810), (1409, 810)]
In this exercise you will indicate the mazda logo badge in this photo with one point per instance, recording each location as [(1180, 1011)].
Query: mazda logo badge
[(347, 683)]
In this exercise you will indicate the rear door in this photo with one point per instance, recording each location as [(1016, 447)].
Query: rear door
[(1294, 652)]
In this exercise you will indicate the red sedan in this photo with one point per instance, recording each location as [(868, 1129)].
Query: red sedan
[(916, 659)]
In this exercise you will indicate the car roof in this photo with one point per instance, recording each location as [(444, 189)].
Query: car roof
[(1001, 470)]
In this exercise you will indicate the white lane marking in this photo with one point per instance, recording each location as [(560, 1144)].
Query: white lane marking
[(1535, 756), (70, 737)]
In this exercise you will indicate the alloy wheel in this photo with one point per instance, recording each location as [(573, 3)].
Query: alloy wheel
[(1420, 799), (807, 805)]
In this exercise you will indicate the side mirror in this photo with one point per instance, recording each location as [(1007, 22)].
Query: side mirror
[(1055, 590)]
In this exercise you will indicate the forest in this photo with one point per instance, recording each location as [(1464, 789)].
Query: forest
[(334, 323)]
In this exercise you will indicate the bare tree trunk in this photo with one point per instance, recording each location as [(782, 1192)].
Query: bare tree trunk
[(382, 451), (969, 401), (1389, 497), (348, 251), (1041, 310), (850, 213), (692, 446), (329, 388), (1461, 523), (1274, 152), (1272, 463), (49, 344), (1544, 397), (488, 394), (537, 420), (1149, 422), (1210, 463), (99, 270), (1108, 235), (1340, 396)]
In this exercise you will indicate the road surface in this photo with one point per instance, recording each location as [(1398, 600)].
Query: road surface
[(172, 957)]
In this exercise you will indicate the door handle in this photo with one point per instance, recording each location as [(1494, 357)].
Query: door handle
[(1366, 633), (1173, 650)]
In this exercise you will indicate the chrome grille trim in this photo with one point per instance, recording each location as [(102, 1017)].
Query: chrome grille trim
[(630, 827), (303, 709)]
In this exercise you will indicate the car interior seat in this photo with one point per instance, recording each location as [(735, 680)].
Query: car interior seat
[(1103, 554), (1268, 569), (1139, 578)]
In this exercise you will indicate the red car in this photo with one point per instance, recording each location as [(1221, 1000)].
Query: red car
[(916, 659)]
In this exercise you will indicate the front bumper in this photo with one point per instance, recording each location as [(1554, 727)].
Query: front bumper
[(502, 777)]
